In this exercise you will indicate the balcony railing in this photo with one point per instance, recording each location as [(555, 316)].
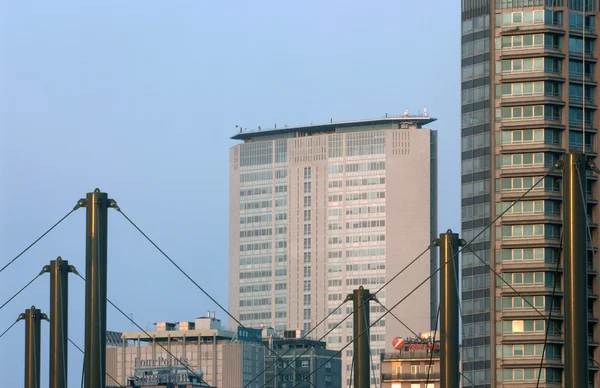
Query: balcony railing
[(409, 376)]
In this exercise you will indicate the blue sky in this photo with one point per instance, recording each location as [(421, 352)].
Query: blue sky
[(139, 98)]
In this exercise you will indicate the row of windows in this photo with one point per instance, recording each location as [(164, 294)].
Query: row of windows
[(519, 184), (476, 353), (518, 232), (256, 176), (472, 142), (525, 18), (365, 252), (520, 255), (476, 329), (478, 164), (255, 316), (478, 70), (476, 24), (519, 42), (366, 281), (477, 117), (256, 260), (365, 267), (472, 212), (530, 136), (476, 282), (256, 219), (255, 302), (365, 181), (476, 306), (470, 260), (470, 189), (529, 112), (576, 45), (528, 208), (365, 224), (365, 196), (365, 143), (528, 65), (356, 167), (527, 160), (479, 93), (518, 303), (529, 351), (476, 47), (256, 274), (530, 375), (528, 279), (256, 191), (374, 209), (527, 327), (255, 288), (527, 89), (255, 246), (255, 205), (256, 232)]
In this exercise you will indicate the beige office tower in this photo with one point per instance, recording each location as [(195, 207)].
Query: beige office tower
[(318, 211)]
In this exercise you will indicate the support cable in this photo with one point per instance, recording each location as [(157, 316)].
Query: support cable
[(117, 208), (437, 319), (21, 290), (150, 337), (79, 204), (400, 321), (371, 297), (301, 339), (82, 352), (550, 313), (10, 327)]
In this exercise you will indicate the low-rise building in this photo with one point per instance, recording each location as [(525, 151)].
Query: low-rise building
[(415, 364), (310, 359), (202, 348)]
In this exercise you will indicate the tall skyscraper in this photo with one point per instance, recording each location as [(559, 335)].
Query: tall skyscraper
[(528, 96), (317, 211)]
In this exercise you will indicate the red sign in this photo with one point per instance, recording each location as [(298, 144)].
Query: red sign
[(398, 343), (413, 344)]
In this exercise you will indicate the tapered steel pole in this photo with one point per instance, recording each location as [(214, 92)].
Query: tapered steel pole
[(449, 311), (95, 289), (59, 312), (575, 269), (362, 358), (33, 318)]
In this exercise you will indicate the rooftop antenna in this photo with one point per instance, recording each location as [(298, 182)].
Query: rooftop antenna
[(406, 113), (425, 112)]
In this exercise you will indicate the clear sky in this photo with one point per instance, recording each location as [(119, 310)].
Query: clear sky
[(140, 98)]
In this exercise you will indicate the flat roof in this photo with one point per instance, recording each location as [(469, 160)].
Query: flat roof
[(418, 120)]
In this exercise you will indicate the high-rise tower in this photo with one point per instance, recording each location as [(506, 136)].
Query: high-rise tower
[(529, 95), (320, 210)]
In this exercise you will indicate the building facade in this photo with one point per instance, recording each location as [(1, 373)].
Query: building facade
[(311, 360), (529, 95), (317, 211), (201, 348)]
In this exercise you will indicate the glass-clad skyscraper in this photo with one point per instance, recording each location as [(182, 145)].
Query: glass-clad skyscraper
[(529, 95)]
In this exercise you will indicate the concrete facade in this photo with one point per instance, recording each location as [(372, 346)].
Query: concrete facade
[(317, 211), (211, 352)]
